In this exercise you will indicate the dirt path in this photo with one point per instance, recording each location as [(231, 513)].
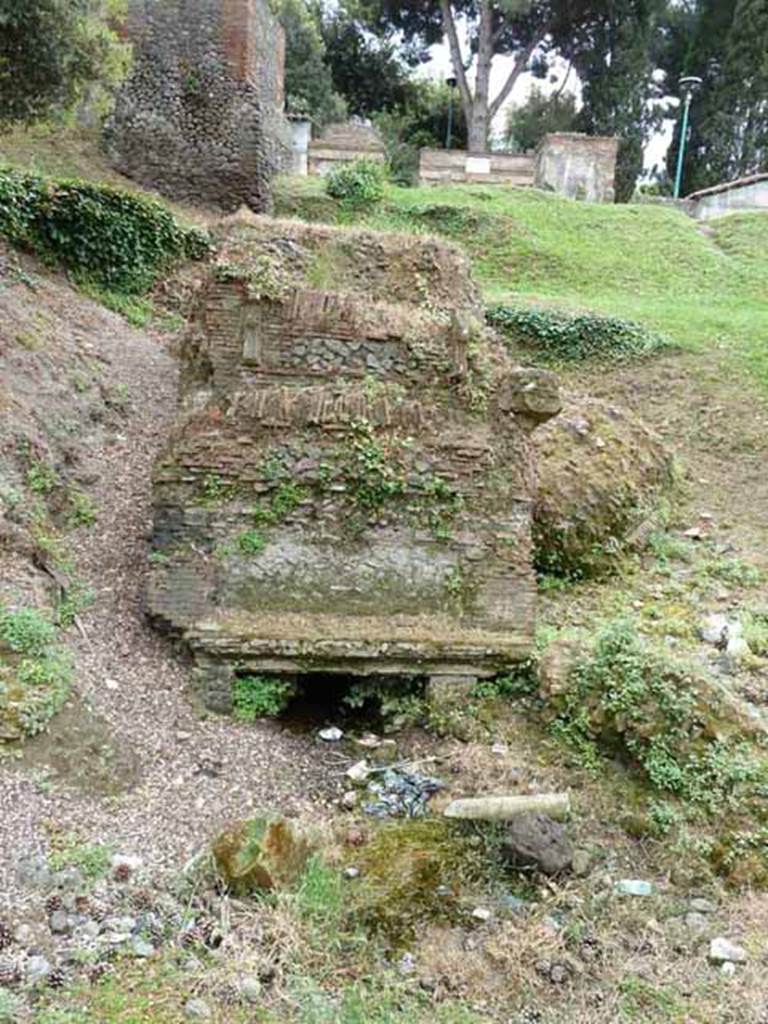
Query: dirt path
[(131, 762)]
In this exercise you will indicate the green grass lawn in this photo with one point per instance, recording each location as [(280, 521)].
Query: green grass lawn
[(704, 288)]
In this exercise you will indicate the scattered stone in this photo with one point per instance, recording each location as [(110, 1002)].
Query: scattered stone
[(582, 863), (385, 753), (500, 749), (535, 840), (59, 922), (724, 951), (23, 935), (331, 735), (359, 772), (349, 800), (142, 948), (407, 963), (262, 853), (351, 872), (719, 630), (703, 906), (37, 969), (34, 873), (112, 684), (696, 922), (250, 988), (728, 969), (482, 914), (368, 741), (197, 1009), (633, 887)]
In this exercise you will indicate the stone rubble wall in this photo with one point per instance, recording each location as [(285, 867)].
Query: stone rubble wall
[(350, 484), (571, 164), (200, 117)]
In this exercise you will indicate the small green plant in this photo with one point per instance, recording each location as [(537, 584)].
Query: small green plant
[(26, 630), (360, 183), (261, 697), (137, 311), (575, 337), (91, 859), (627, 699), (214, 490), (285, 499), (251, 542), (397, 698), (80, 510), (11, 1007), (75, 600), (755, 630), (41, 478)]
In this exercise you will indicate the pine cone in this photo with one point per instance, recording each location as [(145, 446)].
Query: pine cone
[(143, 899), (9, 972), (192, 937), (99, 971), (122, 873), (83, 905), (53, 903), (6, 935), (57, 978)]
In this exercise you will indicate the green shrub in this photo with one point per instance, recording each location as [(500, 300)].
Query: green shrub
[(626, 699), (118, 240), (261, 697), (575, 337), (25, 631), (359, 183)]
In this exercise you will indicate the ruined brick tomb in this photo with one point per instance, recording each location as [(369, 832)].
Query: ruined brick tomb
[(348, 489)]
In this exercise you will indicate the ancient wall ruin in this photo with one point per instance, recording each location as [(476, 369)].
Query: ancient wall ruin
[(349, 488), (200, 117)]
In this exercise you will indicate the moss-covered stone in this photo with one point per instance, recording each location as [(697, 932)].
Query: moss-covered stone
[(261, 854)]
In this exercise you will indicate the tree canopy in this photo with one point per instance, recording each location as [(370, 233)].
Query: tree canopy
[(51, 52)]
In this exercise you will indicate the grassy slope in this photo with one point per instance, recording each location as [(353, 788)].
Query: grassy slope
[(703, 287)]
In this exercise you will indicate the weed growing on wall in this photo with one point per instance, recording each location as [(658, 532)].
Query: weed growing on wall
[(117, 240), (575, 337), (256, 697)]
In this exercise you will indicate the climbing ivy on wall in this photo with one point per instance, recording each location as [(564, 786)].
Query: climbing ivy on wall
[(113, 238)]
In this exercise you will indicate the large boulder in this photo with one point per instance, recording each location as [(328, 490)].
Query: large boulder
[(601, 474)]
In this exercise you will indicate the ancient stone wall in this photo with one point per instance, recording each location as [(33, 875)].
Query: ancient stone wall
[(200, 116), (350, 485), (578, 166)]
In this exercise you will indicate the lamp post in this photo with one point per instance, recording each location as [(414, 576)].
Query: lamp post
[(451, 82), (690, 84)]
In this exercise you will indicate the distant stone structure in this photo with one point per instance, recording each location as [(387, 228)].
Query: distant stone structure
[(200, 117), (342, 143), (745, 195), (571, 164), (349, 488)]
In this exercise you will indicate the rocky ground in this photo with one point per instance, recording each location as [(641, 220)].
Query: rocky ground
[(99, 816)]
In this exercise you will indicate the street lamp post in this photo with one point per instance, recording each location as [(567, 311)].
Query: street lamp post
[(690, 83), (451, 82)]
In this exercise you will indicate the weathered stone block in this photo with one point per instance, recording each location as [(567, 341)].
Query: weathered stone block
[(349, 487)]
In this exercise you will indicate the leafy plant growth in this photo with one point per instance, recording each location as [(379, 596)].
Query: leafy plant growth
[(575, 337), (261, 697), (357, 184), (120, 241)]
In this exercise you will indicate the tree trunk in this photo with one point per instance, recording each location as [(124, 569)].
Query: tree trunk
[(478, 118)]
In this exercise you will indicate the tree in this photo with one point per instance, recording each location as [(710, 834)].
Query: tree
[(422, 120), (528, 30), (726, 44), (309, 86), (51, 52), (527, 124), (616, 55), (370, 72)]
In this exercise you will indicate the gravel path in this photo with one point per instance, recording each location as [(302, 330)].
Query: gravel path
[(175, 777)]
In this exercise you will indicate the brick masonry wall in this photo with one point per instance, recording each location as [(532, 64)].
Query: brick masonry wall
[(439, 166), (578, 166), (200, 117)]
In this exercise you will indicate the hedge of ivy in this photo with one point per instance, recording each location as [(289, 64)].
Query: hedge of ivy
[(113, 238), (575, 337)]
